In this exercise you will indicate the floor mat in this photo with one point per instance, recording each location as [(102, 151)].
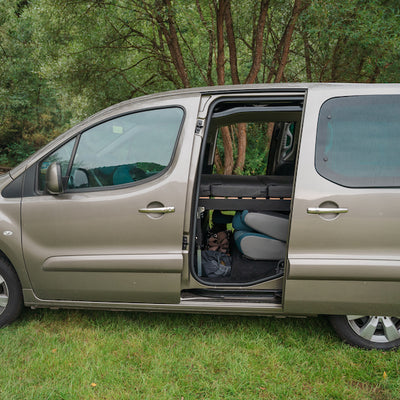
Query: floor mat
[(245, 270)]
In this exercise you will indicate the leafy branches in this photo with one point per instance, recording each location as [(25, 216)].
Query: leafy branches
[(80, 56)]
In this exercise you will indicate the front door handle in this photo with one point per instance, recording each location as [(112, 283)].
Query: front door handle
[(157, 210), (326, 210)]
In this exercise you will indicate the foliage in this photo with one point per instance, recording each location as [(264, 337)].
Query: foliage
[(29, 114), (257, 149), (17, 152), (62, 61), (353, 40)]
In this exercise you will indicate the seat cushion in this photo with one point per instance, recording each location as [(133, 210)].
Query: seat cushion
[(259, 247), (271, 224)]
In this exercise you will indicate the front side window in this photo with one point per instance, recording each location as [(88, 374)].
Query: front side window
[(124, 150), (358, 141)]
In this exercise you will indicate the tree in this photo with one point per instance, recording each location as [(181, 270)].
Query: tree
[(167, 42), (28, 110), (94, 53), (352, 40)]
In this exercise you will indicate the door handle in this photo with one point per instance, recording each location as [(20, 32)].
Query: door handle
[(326, 210), (157, 210)]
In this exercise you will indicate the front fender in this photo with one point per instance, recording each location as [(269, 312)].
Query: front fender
[(10, 232)]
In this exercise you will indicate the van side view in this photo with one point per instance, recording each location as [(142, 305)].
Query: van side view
[(129, 210)]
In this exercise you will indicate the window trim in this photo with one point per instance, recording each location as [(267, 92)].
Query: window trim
[(77, 137)]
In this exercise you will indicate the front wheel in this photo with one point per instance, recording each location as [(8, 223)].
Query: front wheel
[(368, 331), (10, 294)]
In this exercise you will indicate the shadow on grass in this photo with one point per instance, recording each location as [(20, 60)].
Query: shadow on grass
[(289, 331)]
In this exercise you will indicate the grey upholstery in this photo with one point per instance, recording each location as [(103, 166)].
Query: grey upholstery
[(271, 224), (258, 246), (261, 236)]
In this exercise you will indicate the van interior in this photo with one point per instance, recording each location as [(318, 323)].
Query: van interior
[(242, 221)]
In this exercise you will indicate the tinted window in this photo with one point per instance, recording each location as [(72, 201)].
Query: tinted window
[(358, 141), (123, 150), (127, 149)]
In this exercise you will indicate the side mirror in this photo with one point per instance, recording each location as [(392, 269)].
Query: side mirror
[(54, 179)]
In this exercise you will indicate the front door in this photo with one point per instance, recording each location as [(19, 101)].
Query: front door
[(344, 249), (115, 235)]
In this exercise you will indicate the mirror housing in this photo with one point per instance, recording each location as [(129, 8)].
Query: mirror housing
[(54, 183)]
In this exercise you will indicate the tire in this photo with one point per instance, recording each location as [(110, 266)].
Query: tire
[(368, 331), (11, 301)]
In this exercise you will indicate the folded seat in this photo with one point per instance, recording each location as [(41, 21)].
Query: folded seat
[(261, 236)]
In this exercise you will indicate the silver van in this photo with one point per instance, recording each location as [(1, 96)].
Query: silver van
[(126, 211)]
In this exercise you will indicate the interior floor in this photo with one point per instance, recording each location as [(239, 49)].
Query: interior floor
[(245, 270)]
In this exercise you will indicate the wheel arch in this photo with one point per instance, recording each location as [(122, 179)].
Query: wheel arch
[(16, 261)]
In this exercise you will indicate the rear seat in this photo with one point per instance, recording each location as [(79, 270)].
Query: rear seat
[(261, 236)]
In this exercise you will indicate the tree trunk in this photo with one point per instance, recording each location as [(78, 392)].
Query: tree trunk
[(256, 64), (297, 10), (242, 145), (258, 42), (228, 150), (220, 12), (307, 55), (241, 131), (375, 74), (218, 162), (168, 29), (211, 38), (335, 63), (282, 50), (284, 44), (230, 35)]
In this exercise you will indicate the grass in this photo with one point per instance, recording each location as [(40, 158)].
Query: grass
[(49, 354)]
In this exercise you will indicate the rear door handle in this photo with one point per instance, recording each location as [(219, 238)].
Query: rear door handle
[(157, 210), (327, 210)]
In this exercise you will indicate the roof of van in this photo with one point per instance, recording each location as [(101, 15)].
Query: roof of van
[(300, 87)]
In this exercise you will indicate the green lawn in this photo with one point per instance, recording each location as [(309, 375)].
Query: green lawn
[(51, 354)]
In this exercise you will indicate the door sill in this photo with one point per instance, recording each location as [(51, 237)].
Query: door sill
[(273, 297)]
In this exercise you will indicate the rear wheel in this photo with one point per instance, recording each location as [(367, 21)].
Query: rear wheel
[(10, 294), (368, 331)]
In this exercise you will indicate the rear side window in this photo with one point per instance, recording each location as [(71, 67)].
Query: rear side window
[(358, 141)]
